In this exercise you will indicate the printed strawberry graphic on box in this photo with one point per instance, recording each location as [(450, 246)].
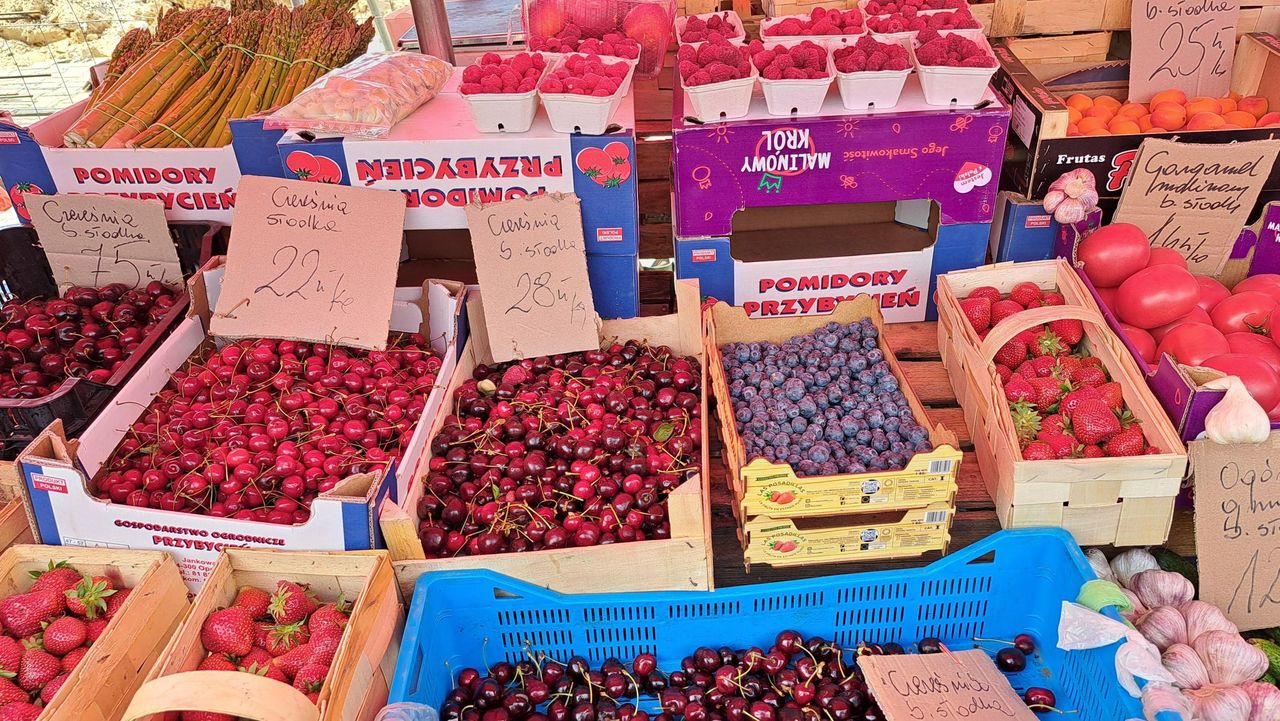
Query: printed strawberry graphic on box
[(18, 195), (313, 168), (609, 166), (784, 546)]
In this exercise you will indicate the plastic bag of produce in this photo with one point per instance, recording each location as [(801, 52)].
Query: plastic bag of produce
[(366, 97)]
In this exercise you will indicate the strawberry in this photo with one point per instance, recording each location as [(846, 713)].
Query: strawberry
[(1024, 293), (229, 631), (73, 659), (324, 644), (10, 656), (88, 598), (206, 716), (1092, 451), (1038, 451), (1091, 360), (1063, 446), (51, 689), (275, 674), (987, 292), (291, 603), (37, 668), (278, 638), (977, 311), (310, 677), (1093, 421), (1152, 451), (10, 692), (1034, 304), (1004, 309), (1089, 376), (1026, 422), (1070, 331), (1018, 389), (23, 613), (1128, 442), (1047, 343), (217, 662), (1073, 399), (1048, 391), (256, 661), (1066, 366), (94, 628), (1015, 351), (57, 577), (254, 600), (115, 601), (65, 634), (314, 697), (1113, 394), (1004, 372), (1054, 424), (1053, 297), (291, 661), (1043, 366), (19, 711)]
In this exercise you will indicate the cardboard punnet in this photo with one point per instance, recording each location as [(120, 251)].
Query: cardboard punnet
[(195, 184), (803, 260), (853, 537), (58, 473), (1041, 150), (681, 562)]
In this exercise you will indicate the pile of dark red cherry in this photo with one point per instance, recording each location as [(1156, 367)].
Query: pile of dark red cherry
[(87, 333), (568, 450), (796, 679)]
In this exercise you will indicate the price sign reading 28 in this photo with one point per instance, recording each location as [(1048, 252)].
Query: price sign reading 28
[(1182, 44), (311, 261), (532, 266)]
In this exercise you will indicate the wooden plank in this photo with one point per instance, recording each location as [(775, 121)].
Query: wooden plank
[(953, 419), (655, 240), (913, 341), (1085, 47), (653, 157), (929, 380), (655, 196)]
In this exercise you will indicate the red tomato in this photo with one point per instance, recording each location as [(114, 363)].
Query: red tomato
[(1108, 296), (1191, 343), (1166, 256), (1258, 377), (1268, 283), (1246, 312), (1156, 295), (1255, 345), (1211, 291), (1113, 253), (1195, 316), (1274, 415), (1141, 340)]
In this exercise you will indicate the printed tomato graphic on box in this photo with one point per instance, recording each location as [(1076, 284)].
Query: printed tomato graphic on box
[(18, 195), (609, 166), (313, 168)]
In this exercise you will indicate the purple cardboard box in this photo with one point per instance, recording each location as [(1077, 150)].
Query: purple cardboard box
[(912, 151), (1257, 251)]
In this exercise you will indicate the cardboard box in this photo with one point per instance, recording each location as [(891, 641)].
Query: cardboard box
[(57, 473), (1022, 231), (804, 260), (878, 536), (196, 184), (1038, 129), (914, 151)]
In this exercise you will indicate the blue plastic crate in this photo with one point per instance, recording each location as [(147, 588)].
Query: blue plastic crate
[(1010, 583)]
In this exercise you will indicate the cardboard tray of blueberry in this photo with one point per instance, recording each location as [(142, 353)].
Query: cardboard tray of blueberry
[(817, 419)]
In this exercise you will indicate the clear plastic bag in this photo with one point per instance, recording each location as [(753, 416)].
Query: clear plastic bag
[(406, 711), (367, 97)]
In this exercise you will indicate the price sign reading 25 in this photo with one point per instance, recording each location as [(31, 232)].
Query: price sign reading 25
[(1186, 45), (532, 266), (1189, 48), (311, 261)]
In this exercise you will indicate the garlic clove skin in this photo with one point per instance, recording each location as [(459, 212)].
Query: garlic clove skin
[(1162, 588), (1052, 199), (1184, 664), (1089, 199), (1218, 702), (1266, 701), (1228, 658), (1069, 211), (1203, 617), (1130, 563), (1163, 626), (1237, 418), (1138, 609), (1101, 567)]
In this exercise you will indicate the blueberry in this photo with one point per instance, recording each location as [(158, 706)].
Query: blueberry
[(863, 437), (838, 360), (742, 353), (831, 340), (880, 444), (808, 408), (793, 410), (742, 415), (805, 442), (799, 424), (819, 453), (892, 423), (875, 355), (821, 379), (828, 469), (758, 425), (832, 327), (847, 345), (888, 383), (794, 389), (807, 468), (791, 360), (748, 393)]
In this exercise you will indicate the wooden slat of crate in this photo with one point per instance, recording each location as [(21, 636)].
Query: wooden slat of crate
[(774, 8), (1079, 48)]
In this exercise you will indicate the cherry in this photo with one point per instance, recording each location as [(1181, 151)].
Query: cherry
[(1011, 660), (1040, 699), (1024, 643), (929, 645)]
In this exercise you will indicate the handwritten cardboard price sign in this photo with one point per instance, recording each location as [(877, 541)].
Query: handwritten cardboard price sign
[(95, 240), (532, 265), (1238, 529), (1194, 198), (311, 261), (959, 685), (1189, 46)]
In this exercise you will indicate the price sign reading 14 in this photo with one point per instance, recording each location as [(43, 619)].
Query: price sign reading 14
[(1183, 44)]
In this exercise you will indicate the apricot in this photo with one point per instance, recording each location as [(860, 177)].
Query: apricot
[(1088, 125), (1101, 112), (1240, 118), (1073, 115), (1255, 105), (1268, 120), (1107, 101), (1072, 130), (1169, 116), (1080, 102), (1168, 96), (1228, 105), (1144, 123), (1099, 131), (1122, 126), (1195, 106), (1133, 111), (1205, 121)]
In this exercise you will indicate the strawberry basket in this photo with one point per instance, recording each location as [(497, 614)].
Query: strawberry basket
[(356, 684), (1122, 500)]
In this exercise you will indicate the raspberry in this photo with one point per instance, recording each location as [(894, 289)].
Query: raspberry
[(526, 85), (687, 68), (762, 59), (715, 36), (693, 37), (491, 59), (491, 83), (699, 78), (978, 61), (783, 62), (876, 60), (772, 73), (794, 74), (552, 85), (522, 63), (686, 54), (509, 77), (470, 88), (825, 28), (601, 92), (719, 72), (705, 53), (471, 74)]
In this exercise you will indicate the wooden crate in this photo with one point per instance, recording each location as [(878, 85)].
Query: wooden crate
[(15, 528), (681, 562), (1078, 48), (776, 8), (119, 660), (1010, 18), (359, 679), (1120, 501)]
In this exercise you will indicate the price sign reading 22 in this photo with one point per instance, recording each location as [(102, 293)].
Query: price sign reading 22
[(297, 278)]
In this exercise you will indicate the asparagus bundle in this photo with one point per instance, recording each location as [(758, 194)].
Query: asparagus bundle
[(132, 46)]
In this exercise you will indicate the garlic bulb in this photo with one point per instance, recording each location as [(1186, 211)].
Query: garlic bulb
[(1052, 199), (1069, 211), (1099, 563), (1163, 698), (1202, 617), (1184, 664), (1130, 563), (1163, 626), (1266, 701), (1162, 588), (1228, 658), (1221, 703), (1074, 182), (1089, 199), (1237, 418), (1137, 609)]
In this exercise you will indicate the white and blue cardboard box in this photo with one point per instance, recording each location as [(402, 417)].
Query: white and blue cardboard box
[(58, 473), (195, 184), (438, 159)]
